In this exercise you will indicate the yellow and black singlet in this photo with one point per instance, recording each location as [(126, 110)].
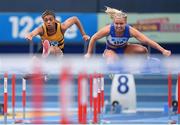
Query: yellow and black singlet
[(56, 39)]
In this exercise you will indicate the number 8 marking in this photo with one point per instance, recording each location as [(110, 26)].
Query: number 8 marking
[(123, 87)]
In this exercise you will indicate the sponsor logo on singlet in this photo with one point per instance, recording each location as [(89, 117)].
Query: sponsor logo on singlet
[(117, 41)]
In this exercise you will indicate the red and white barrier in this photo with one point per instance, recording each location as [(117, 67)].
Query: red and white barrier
[(82, 98), (95, 99), (99, 93), (91, 94), (96, 91), (65, 95), (102, 92), (13, 95), (5, 97), (37, 93), (24, 98)]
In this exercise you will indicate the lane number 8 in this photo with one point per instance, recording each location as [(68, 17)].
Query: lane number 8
[(123, 86)]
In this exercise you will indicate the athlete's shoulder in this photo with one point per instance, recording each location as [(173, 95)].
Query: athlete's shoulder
[(57, 21), (128, 26), (133, 31)]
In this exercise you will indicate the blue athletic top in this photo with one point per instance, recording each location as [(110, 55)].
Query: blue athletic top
[(116, 42)]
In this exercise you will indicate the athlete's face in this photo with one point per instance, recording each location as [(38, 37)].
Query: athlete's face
[(49, 21), (119, 24)]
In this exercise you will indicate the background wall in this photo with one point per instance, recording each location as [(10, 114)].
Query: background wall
[(142, 6), (82, 7)]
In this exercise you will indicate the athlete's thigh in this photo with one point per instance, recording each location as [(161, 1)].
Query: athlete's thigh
[(135, 49)]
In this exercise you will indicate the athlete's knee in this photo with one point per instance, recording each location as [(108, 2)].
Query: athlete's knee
[(110, 56), (109, 53), (143, 50), (140, 50)]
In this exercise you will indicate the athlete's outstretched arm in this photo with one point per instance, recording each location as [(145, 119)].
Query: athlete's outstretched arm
[(144, 39), (74, 20), (98, 35), (35, 32)]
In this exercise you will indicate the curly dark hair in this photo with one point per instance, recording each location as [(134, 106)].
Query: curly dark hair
[(48, 12)]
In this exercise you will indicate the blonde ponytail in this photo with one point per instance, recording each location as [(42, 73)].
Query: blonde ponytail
[(115, 13)]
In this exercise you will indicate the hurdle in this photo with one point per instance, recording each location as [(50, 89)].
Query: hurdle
[(37, 96), (91, 95), (38, 99), (102, 96), (13, 79), (24, 98), (13, 95), (171, 121), (82, 98), (5, 97), (96, 97), (65, 80)]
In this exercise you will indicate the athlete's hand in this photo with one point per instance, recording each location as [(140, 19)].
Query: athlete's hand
[(86, 37), (166, 52), (28, 37)]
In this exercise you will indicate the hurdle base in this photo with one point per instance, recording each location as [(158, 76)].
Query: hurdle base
[(105, 122), (172, 122)]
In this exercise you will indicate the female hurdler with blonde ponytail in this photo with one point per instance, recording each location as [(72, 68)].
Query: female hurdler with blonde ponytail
[(117, 34)]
